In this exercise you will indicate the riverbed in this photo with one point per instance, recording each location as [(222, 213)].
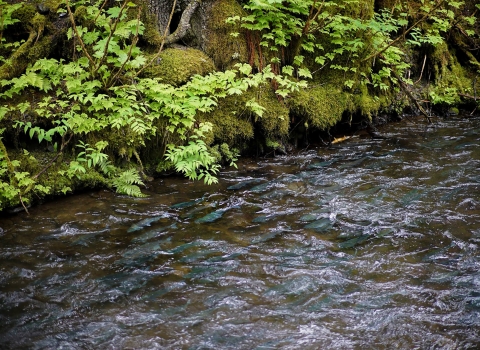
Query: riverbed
[(368, 244)]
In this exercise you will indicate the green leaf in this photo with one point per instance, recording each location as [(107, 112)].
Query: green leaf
[(288, 70), (114, 12), (304, 72)]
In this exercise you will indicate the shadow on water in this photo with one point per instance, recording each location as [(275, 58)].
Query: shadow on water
[(373, 244)]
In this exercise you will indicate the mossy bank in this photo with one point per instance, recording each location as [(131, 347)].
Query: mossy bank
[(326, 66)]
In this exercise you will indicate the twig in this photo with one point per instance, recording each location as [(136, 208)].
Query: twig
[(112, 32), (134, 42), (23, 204), (75, 29), (100, 11), (423, 66), (404, 87)]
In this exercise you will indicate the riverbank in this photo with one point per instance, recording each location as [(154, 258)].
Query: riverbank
[(79, 118)]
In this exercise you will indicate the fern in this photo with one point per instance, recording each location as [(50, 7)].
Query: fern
[(127, 183)]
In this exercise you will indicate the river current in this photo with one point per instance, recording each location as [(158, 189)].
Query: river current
[(369, 244)]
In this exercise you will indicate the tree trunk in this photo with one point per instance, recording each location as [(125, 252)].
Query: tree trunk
[(161, 9)]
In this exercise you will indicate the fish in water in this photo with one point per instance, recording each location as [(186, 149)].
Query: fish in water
[(353, 242), (321, 225), (187, 204), (144, 223), (243, 184), (162, 231), (266, 237), (213, 216), (261, 188)]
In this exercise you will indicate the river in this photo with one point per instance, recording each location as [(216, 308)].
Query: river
[(370, 244)]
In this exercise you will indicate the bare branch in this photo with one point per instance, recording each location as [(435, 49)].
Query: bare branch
[(184, 24)]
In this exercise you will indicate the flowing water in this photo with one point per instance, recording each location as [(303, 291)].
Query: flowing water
[(371, 244)]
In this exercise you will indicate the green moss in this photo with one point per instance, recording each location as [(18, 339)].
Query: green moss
[(150, 35), (234, 124), (363, 9), (451, 77), (321, 106), (367, 104), (34, 48), (52, 5), (177, 65), (275, 120), (25, 13), (225, 49), (16, 63)]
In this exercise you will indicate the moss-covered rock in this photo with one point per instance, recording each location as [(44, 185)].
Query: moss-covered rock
[(234, 124), (321, 106), (177, 65)]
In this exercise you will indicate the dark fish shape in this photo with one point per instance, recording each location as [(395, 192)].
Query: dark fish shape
[(321, 225), (264, 218), (86, 240), (144, 223), (261, 188), (153, 234), (243, 184), (309, 217), (266, 237), (384, 232), (191, 213), (213, 216), (184, 247), (187, 204), (225, 257), (197, 256), (353, 242), (410, 197), (353, 163), (321, 164), (147, 249), (276, 194)]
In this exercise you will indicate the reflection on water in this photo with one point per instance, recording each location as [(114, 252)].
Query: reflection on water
[(371, 244)]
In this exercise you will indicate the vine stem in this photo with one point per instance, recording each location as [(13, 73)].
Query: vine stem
[(77, 34), (134, 43)]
